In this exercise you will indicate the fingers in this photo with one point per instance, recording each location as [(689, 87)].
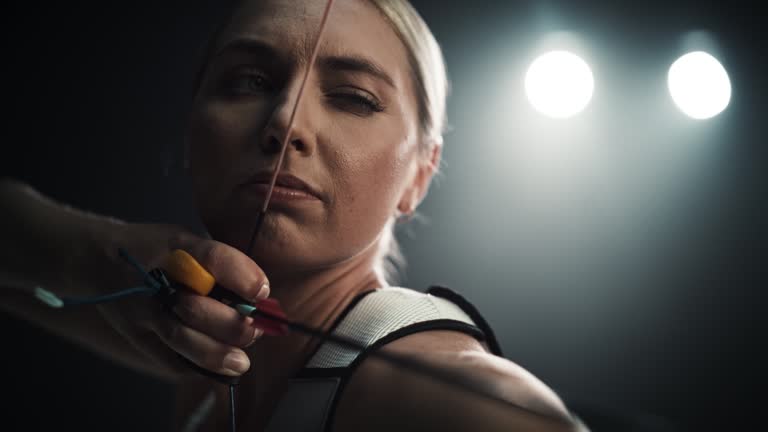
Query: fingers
[(231, 268), (200, 348), (207, 332), (216, 319)]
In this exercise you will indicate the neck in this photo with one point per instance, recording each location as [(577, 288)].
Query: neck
[(315, 299)]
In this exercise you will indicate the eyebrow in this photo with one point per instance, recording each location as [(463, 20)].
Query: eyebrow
[(350, 62), (358, 64), (248, 46)]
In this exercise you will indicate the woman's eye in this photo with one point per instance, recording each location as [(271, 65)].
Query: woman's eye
[(357, 102), (248, 82)]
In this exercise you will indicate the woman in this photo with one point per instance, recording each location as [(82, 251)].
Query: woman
[(361, 152)]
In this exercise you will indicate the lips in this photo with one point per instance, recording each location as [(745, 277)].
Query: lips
[(284, 180)]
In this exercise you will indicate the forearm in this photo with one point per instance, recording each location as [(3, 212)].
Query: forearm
[(85, 327), (45, 243), (57, 247)]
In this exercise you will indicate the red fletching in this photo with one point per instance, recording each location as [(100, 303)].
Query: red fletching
[(271, 308)]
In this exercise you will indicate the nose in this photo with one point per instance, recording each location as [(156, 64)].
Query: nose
[(272, 143), (301, 135)]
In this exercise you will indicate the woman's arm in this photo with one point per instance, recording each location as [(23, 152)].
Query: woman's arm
[(381, 397), (75, 253), (62, 249)]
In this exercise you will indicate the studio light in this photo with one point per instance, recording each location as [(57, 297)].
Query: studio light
[(559, 84), (699, 85)]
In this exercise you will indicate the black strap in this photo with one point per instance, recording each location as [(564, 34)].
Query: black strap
[(481, 332), (471, 310)]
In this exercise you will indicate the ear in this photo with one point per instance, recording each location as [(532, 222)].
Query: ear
[(426, 167)]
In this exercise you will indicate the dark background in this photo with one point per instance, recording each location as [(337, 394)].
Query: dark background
[(623, 265)]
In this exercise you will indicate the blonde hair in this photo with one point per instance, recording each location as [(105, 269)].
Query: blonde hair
[(426, 61), (431, 85)]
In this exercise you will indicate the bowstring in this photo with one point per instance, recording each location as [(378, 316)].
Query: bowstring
[(279, 164), (403, 362), (289, 129)]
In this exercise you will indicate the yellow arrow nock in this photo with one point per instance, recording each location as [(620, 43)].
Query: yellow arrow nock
[(181, 267)]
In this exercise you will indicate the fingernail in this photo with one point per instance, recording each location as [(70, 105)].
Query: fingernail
[(257, 334), (236, 362), (263, 291)]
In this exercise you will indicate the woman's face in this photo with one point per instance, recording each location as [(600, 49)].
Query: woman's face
[(355, 140)]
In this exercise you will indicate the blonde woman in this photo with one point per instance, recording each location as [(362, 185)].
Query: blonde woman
[(362, 152)]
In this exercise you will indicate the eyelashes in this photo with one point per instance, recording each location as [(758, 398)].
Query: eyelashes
[(357, 101), (245, 82)]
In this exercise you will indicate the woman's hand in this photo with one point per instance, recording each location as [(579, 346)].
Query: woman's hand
[(75, 253), (205, 331)]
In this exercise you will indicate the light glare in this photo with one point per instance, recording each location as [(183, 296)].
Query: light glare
[(559, 84), (699, 85)]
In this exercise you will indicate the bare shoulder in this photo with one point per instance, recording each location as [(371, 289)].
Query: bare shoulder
[(484, 392)]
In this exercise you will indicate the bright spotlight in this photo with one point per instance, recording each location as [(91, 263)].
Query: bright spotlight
[(559, 84), (699, 85)]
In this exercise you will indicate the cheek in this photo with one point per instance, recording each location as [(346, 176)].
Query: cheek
[(370, 186), (216, 145), (380, 175)]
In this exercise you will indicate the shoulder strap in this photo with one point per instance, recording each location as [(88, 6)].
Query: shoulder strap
[(387, 314), (474, 314), (377, 319)]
